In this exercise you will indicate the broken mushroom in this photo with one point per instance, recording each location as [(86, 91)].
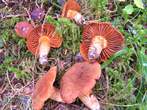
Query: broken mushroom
[(71, 10), (41, 39), (78, 81), (100, 41), (44, 89), (23, 28)]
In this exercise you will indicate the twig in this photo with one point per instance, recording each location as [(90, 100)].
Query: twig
[(32, 22), (11, 15), (36, 2), (107, 85), (46, 14), (53, 3), (4, 1), (15, 93), (118, 105), (10, 82), (45, 18), (42, 4), (3, 89), (3, 108)]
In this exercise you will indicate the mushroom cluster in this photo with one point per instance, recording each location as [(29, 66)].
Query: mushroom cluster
[(100, 40), (77, 82)]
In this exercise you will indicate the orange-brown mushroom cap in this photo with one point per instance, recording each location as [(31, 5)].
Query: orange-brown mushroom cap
[(112, 39), (70, 5), (23, 29), (79, 80), (44, 89), (47, 30)]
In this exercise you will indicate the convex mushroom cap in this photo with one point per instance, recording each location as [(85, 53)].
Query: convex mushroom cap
[(41, 39), (71, 10), (37, 14), (44, 89), (23, 28), (100, 40), (78, 81)]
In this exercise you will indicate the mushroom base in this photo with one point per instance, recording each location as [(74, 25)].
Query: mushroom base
[(90, 101), (97, 45), (76, 16), (56, 96)]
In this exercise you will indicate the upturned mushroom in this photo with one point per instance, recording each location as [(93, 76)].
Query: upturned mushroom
[(44, 89), (23, 28), (41, 39), (71, 10), (78, 82), (100, 41)]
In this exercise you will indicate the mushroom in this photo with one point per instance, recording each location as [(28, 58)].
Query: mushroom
[(71, 10), (100, 41), (37, 14), (44, 89), (78, 81), (23, 28), (41, 39)]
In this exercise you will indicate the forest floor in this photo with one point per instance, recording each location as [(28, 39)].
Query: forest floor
[(123, 83)]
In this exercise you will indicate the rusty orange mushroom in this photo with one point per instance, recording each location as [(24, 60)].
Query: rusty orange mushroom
[(71, 10), (78, 81), (23, 28), (41, 39), (100, 41), (44, 89)]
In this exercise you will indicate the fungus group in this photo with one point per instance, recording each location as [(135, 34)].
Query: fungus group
[(77, 82), (100, 40)]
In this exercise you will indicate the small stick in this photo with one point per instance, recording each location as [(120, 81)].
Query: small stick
[(32, 22), (10, 82), (11, 15)]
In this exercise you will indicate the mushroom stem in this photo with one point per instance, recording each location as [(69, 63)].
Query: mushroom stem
[(98, 43), (44, 48), (90, 101), (75, 16), (56, 96), (94, 51)]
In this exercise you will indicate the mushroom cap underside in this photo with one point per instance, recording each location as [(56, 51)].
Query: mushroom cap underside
[(113, 37), (70, 5), (47, 30)]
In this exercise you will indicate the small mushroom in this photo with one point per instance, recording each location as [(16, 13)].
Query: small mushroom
[(78, 81), (71, 10), (44, 89), (41, 39), (100, 41), (37, 14), (23, 28)]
